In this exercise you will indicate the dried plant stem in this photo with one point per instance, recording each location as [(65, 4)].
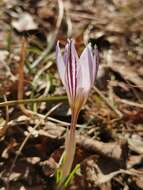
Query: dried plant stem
[(107, 102), (6, 110), (21, 77), (54, 35)]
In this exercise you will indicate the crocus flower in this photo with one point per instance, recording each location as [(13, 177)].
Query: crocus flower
[(78, 76)]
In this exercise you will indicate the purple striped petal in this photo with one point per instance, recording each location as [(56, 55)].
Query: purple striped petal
[(66, 52), (71, 59), (77, 75), (60, 63)]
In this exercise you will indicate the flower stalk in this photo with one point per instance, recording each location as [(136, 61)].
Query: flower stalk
[(70, 144)]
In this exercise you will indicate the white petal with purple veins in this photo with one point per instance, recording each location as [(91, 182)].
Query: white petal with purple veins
[(85, 76), (71, 68), (78, 75), (60, 63)]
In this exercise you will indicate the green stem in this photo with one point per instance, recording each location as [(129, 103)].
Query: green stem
[(33, 100)]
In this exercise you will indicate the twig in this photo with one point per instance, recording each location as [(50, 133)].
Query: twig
[(107, 102), (54, 35), (130, 103), (69, 23), (21, 77), (54, 108), (13, 78), (40, 72), (6, 110)]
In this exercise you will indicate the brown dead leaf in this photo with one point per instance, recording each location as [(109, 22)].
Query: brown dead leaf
[(128, 73), (95, 173), (118, 150), (135, 116), (134, 161), (24, 23), (49, 167), (139, 182), (136, 144)]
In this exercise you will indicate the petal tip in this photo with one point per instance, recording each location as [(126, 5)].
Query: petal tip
[(58, 43)]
